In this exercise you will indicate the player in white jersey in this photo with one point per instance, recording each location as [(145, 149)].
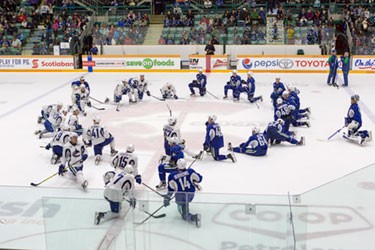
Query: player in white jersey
[(59, 140), (73, 122), (99, 137), (73, 155), (52, 124), (48, 109), (119, 187), (170, 130), (80, 98), (121, 160), (138, 88), (168, 91)]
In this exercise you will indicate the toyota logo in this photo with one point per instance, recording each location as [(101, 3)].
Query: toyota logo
[(286, 63)]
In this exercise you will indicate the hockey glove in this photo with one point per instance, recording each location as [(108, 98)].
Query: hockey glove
[(138, 178), (175, 97), (206, 147), (167, 201), (62, 170), (132, 202), (89, 104), (347, 121), (195, 81), (148, 93), (84, 157), (48, 146)]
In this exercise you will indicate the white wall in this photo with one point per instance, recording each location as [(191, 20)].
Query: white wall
[(233, 50)]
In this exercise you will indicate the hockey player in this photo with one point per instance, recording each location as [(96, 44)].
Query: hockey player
[(233, 84), (183, 183), (73, 122), (81, 98), (138, 88), (168, 91), (121, 89), (119, 187), (200, 83), (278, 89), (296, 116), (80, 82), (74, 154), (256, 145), (170, 130), (48, 109), (53, 123), (121, 160), (248, 87), (333, 65), (293, 94), (353, 122), (168, 166), (276, 133), (99, 137), (214, 140), (59, 140)]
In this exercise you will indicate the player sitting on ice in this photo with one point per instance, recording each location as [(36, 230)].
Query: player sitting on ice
[(296, 117), (248, 87), (169, 165), (278, 89), (138, 88), (119, 187), (168, 91), (200, 83), (214, 140), (99, 137), (121, 160), (275, 133), (256, 145), (183, 182), (74, 154), (80, 82), (293, 93), (353, 122), (121, 89), (80, 98), (234, 84), (53, 123), (73, 122), (48, 109), (59, 140)]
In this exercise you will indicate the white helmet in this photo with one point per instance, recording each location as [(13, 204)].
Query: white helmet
[(96, 119), (172, 121), (290, 86), (75, 109), (128, 169), (181, 164), (200, 70), (277, 78), (212, 118), (279, 101), (169, 84), (280, 121), (73, 134), (82, 78), (59, 104), (285, 93), (130, 148), (125, 81), (234, 72), (255, 130), (174, 140), (355, 97), (250, 73), (82, 86)]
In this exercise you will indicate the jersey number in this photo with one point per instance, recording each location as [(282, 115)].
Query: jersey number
[(184, 183)]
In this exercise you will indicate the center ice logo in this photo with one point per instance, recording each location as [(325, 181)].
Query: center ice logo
[(247, 63)]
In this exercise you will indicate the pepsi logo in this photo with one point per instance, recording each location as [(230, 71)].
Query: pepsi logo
[(246, 63)]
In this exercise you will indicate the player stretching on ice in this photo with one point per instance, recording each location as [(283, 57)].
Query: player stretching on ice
[(121, 160), (248, 87), (199, 83), (183, 183), (275, 133), (256, 145), (59, 140), (119, 186), (234, 84), (168, 91)]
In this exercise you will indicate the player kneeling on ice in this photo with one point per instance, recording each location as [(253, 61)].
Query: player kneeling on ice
[(119, 187), (121, 89), (59, 140), (183, 182), (80, 82), (199, 83), (256, 145), (214, 140), (169, 165), (170, 130), (275, 133), (168, 91), (121, 160), (234, 84), (138, 88), (47, 110), (74, 154), (353, 122), (53, 123), (80, 98), (248, 87), (99, 137), (278, 89)]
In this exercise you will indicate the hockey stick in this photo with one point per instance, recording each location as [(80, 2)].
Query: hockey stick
[(170, 110), (153, 190), (292, 222), (153, 216), (157, 98), (92, 106), (46, 179), (97, 100), (335, 133), (214, 96)]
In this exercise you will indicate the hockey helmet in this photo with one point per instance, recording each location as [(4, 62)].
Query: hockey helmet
[(355, 97), (212, 118), (181, 164), (96, 119), (130, 148), (250, 73), (174, 140), (172, 121), (255, 130), (128, 169), (234, 72)]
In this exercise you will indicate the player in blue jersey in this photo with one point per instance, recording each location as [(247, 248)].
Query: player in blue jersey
[(275, 133), (296, 116), (293, 94), (99, 137), (168, 166), (79, 82), (353, 122), (278, 89), (183, 183), (333, 65), (256, 145), (59, 140), (214, 140), (233, 84), (248, 87), (199, 83)]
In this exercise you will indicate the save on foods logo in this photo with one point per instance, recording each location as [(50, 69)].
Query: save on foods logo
[(149, 63)]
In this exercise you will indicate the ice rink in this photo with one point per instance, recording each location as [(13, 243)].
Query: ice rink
[(285, 168)]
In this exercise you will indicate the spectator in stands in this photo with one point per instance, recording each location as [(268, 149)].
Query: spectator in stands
[(21, 17), (161, 40), (169, 40), (290, 34), (4, 50), (210, 48), (262, 15), (254, 15), (280, 13), (94, 50), (245, 40), (219, 3), (16, 43), (207, 4), (214, 41), (217, 21), (131, 3)]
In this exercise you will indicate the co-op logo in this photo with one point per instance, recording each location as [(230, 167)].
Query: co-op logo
[(271, 221)]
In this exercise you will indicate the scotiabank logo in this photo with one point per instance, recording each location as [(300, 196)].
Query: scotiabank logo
[(35, 63), (51, 64)]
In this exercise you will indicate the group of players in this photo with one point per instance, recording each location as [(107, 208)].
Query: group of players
[(182, 181)]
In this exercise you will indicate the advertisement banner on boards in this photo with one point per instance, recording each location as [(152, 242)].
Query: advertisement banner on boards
[(215, 63), (363, 63), (282, 63), (45, 63)]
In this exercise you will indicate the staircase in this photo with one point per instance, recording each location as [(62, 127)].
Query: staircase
[(271, 37), (155, 30)]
